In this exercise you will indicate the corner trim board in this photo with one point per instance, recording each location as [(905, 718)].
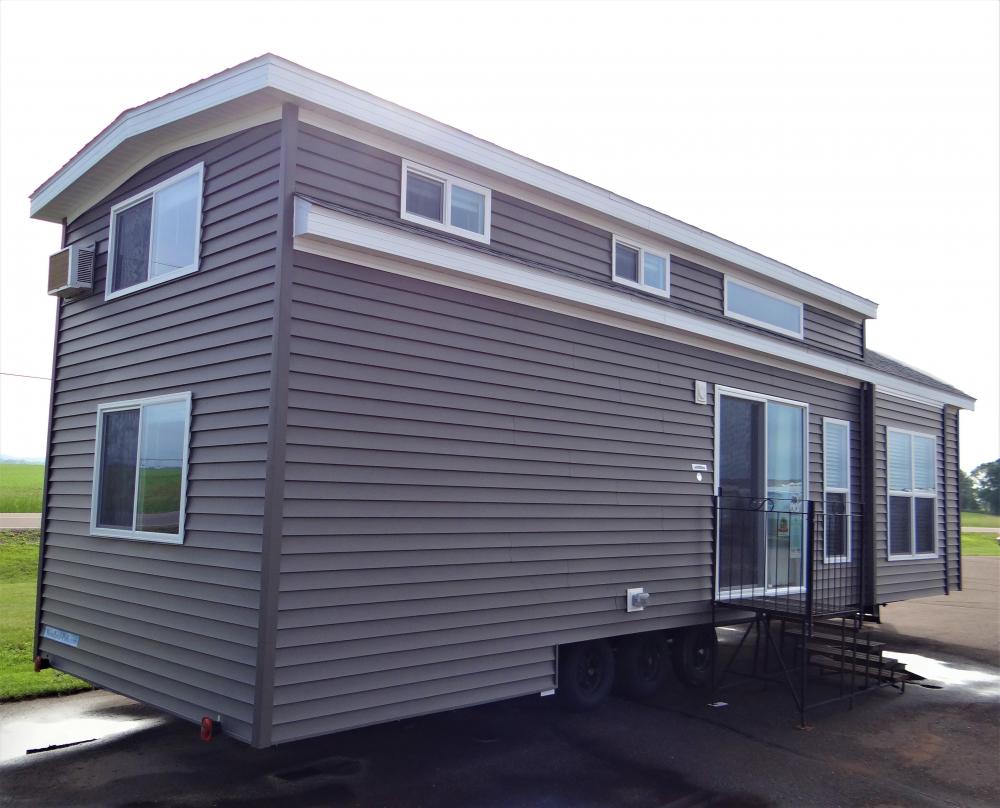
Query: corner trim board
[(263, 705)]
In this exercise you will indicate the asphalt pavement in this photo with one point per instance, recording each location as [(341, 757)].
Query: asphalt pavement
[(936, 745)]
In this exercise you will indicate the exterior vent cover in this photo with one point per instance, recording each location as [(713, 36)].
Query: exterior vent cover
[(71, 271)]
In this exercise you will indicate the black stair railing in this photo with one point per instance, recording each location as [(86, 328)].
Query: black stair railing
[(788, 556)]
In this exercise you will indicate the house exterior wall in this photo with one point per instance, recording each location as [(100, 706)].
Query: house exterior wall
[(902, 579), (344, 173), (471, 482), (172, 625)]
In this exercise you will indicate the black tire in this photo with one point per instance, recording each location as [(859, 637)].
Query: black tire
[(643, 662), (693, 654), (586, 674)]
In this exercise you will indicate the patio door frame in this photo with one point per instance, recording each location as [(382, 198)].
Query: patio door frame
[(734, 392)]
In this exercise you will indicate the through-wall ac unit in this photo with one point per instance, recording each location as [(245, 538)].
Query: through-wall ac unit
[(71, 271)]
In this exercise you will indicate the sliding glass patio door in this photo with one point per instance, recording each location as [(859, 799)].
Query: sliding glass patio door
[(761, 485)]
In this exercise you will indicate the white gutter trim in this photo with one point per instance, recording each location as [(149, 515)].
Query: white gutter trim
[(319, 225), (314, 88)]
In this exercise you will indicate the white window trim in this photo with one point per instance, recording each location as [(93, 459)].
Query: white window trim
[(117, 533), (832, 489), (615, 241), (199, 171), (913, 496), (449, 181), (800, 334)]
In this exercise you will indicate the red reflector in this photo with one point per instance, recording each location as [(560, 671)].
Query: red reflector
[(207, 728), (38, 664)]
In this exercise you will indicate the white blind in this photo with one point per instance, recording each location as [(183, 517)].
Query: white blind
[(923, 463), (900, 462), (836, 455)]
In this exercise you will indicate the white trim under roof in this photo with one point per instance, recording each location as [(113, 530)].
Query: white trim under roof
[(335, 234), (270, 73)]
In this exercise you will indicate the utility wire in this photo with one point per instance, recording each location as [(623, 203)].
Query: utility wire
[(26, 376)]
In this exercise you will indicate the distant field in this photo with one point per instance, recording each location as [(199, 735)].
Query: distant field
[(980, 544), (970, 519), (18, 570), (20, 488)]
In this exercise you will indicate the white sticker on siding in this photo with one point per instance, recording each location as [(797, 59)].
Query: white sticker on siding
[(57, 634)]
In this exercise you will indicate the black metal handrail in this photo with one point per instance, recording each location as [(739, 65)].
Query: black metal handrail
[(789, 556)]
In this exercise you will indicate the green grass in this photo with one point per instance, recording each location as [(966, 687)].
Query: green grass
[(18, 571), (20, 488), (980, 544), (970, 519)]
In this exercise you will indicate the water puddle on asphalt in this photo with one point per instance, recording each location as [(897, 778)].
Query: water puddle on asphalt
[(938, 673), (42, 725)]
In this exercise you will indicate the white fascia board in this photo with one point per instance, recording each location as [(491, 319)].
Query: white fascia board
[(313, 88), (203, 95), (315, 226)]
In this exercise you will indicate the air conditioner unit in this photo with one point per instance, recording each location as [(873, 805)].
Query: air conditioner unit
[(71, 271)]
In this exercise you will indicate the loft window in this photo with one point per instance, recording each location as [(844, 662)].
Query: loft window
[(836, 490), (155, 234), (766, 309), (912, 491), (435, 199), (640, 267), (140, 469)]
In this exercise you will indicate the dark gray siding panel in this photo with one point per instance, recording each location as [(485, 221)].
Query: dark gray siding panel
[(471, 482), (536, 235), (904, 579), (336, 170), (833, 334), (952, 505), (696, 287), (172, 625), (339, 171)]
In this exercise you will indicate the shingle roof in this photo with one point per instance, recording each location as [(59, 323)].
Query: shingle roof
[(894, 367)]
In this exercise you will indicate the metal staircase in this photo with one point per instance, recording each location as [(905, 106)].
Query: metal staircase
[(807, 613)]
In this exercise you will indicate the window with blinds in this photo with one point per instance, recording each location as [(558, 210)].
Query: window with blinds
[(836, 490), (912, 493)]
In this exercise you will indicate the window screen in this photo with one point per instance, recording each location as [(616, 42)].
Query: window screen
[(155, 235)]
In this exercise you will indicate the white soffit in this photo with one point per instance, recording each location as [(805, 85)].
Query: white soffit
[(399, 250), (313, 89)]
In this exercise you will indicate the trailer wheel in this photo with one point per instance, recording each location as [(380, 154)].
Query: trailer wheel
[(643, 660), (693, 655), (586, 674)]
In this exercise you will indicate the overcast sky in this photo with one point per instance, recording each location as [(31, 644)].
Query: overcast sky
[(855, 141)]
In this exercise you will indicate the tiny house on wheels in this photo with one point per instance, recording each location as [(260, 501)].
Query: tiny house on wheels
[(357, 417)]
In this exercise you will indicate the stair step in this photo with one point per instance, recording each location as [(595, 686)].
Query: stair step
[(837, 652), (849, 638), (888, 672)]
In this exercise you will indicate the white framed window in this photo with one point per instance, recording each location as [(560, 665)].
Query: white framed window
[(155, 235), (435, 199), (836, 490), (640, 267), (751, 304), (911, 480), (140, 469)]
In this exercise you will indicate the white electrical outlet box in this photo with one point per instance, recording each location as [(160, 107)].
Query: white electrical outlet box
[(701, 392), (636, 599)]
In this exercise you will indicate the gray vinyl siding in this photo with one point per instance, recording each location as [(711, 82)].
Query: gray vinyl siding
[(471, 482), (952, 504), (172, 625), (904, 579), (696, 287), (347, 174), (833, 334)]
